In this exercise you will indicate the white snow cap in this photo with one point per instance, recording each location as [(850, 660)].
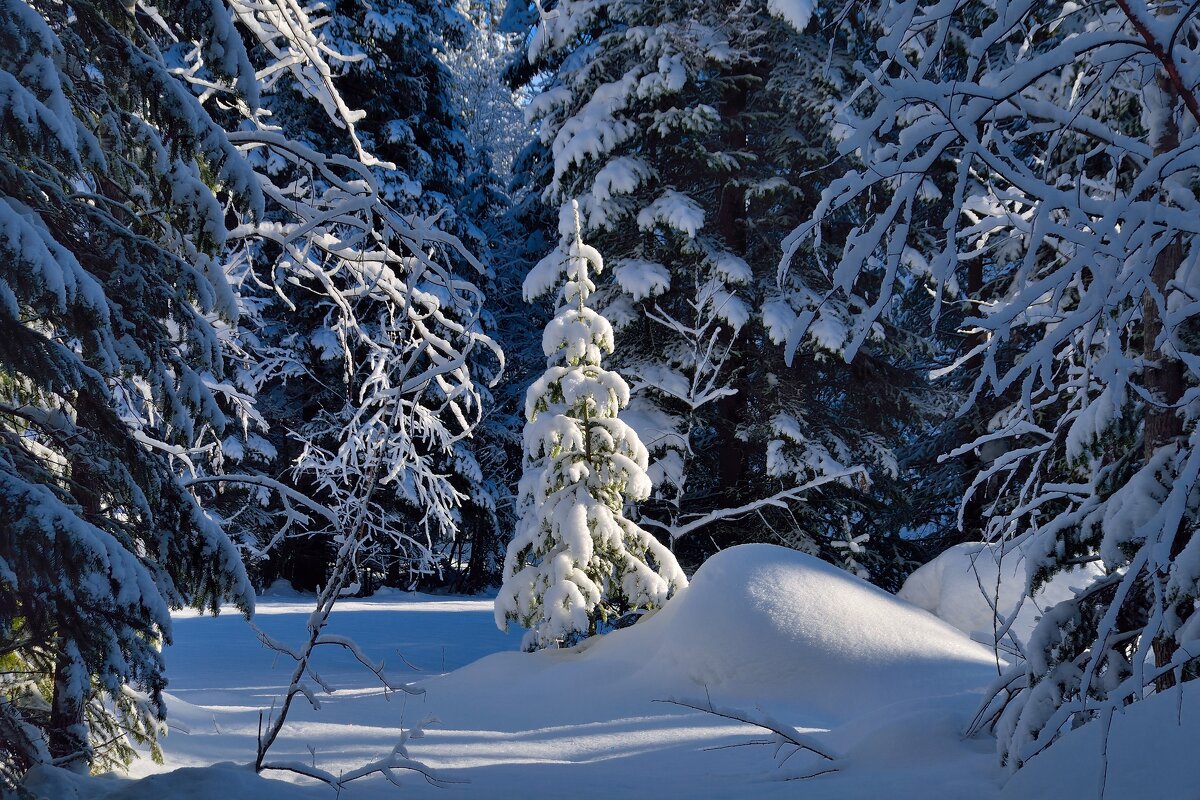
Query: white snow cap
[(795, 12)]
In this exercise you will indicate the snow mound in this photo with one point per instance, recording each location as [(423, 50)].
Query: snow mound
[(787, 624), (960, 585), (758, 624), (281, 587)]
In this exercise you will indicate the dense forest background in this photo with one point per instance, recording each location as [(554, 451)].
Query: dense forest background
[(877, 278)]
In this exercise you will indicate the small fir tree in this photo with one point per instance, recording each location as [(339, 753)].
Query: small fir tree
[(576, 559)]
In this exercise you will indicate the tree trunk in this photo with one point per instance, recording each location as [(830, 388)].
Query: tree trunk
[(393, 567), (730, 225), (1164, 377), (973, 521), (476, 573), (67, 734), (1164, 374)]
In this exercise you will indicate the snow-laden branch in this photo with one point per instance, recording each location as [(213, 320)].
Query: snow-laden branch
[(285, 491), (1063, 142), (780, 499)]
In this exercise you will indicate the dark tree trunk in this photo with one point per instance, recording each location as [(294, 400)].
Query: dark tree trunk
[(1164, 377), (67, 736), (393, 568), (973, 521), (1164, 374), (730, 224)]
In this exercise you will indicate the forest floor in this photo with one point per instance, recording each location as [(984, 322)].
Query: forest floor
[(878, 684)]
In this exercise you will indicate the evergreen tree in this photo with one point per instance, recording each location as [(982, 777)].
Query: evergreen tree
[(694, 135), (576, 559), (141, 185), (110, 365)]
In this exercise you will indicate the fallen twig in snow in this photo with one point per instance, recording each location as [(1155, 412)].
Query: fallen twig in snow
[(785, 736), (397, 760)]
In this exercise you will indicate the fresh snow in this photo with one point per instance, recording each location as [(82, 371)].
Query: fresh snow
[(795, 12), (675, 210), (884, 685), (641, 279)]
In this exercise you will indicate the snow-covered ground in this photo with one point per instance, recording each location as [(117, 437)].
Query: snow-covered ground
[(880, 684)]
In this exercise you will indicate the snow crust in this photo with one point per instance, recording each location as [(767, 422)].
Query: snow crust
[(641, 279)]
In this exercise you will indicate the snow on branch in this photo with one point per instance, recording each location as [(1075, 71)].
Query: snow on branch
[(289, 494), (780, 499), (1062, 142)]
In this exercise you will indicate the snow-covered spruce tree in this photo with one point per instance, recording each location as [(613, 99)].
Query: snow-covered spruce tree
[(818, 415), (1071, 130), (694, 135), (628, 127), (576, 559), (904, 420), (109, 366)]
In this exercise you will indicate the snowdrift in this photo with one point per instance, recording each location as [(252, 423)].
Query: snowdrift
[(760, 621), (765, 620), (877, 680), (225, 781), (962, 584)]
